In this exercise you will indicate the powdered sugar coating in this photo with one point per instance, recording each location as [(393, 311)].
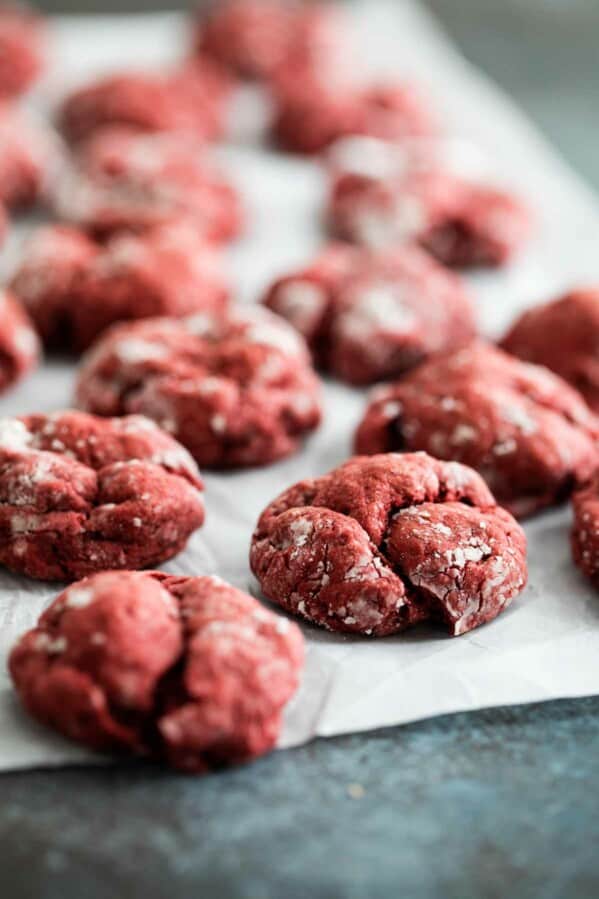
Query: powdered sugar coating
[(74, 288), (317, 105), (383, 543), (372, 315), (79, 494), (189, 100), (562, 334), (125, 180), (19, 345), (30, 155), (524, 429), (237, 389), (188, 670), (257, 38), (461, 222), (585, 529)]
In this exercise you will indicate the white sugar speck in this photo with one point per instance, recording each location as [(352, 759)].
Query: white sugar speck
[(79, 597)]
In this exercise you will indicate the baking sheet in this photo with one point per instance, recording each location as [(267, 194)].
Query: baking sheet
[(547, 644)]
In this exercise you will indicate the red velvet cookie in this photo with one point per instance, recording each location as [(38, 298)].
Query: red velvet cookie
[(22, 49), (524, 429), (564, 336), (133, 182), (80, 494), (257, 38), (29, 158), (459, 221), (19, 345), (236, 390), (52, 260), (313, 111), (385, 542), (372, 316), (248, 37), (585, 530), (126, 181), (74, 289), (188, 100), (187, 670)]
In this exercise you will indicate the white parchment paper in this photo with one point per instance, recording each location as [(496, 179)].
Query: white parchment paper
[(547, 644)]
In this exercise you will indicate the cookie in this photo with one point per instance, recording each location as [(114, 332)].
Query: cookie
[(385, 542), (19, 345), (22, 49), (133, 182), (248, 37), (80, 494), (563, 335), (189, 100), (585, 529), (189, 671), (312, 111), (74, 289), (409, 195), (236, 390), (255, 39), (52, 260), (371, 316), (528, 433), (30, 156)]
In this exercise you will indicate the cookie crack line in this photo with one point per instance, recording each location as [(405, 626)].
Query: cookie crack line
[(82, 494), (189, 671)]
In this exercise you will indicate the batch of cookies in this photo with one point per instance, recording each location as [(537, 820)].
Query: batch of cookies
[(459, 437)]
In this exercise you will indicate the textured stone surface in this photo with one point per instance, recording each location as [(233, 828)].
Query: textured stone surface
[(458, 807)]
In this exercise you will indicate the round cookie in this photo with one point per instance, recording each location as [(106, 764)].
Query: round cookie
[(563, 335), (370, 316), (19, 345), (80, 494), (255, 39), (133, 182), (187, 100), (22, 49), (314, 109), (414, 195), (236, 390), (585, 529), (248, 37), (187, 670), (52, 260), (385, 542), (527, 432), (74, 289), (30, 155)]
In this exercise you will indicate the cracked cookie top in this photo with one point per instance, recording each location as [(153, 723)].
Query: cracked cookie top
[(123, 180), (74, 288), (369, 316), (188, 670), (19, 345), (563, 335), (524, 429), (235, 389), (384, 542), (80, 494)]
